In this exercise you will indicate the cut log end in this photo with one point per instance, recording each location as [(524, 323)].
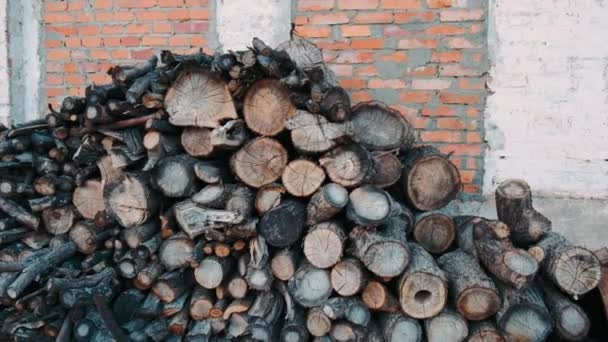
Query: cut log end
[(267, 107), (446, 326), (520, 262), (435, 232), (323, 245), (302, 177), (577, 271), (514, 189), (478, 303), (259, 162), (527, 324), (423, 295), (369, 206), (386, 258), (572, 323), (347, 277)]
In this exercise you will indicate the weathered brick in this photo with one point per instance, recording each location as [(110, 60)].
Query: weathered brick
[(401, 4), (473, 137), (91, 41), (54, 79), (352, 83), (75, 5), (138, 28), (111, 41), (446, 56), (329, 18), (454, 98), (361, 96), (467, 176), (135, 3), (461, 149), (55, 17), (301, 20), (64, 30), (461, 15), (100, 54), (445, 30), (355, 30), (130, 41), (74, 79), (373, 18), (417, 43), (472, 84), (368, 70), (334, 44), (129, 15), (104, 16), (357, 4), (370, 44), (53, 43), (178, 41), (315, 5), (58, 6), (151, 15), (311, 31), (458, 70), (471, 188), (439, 111), (397, 56), (439, 3), (198, 14), (427, 70), (380, 83), (154, 41), (342, 70), (355, 57), (414, 17), (451, 123), (441, 136), (121, 54), (473, 112), (170, 3), (395, 31), (430, 83), (142, 54), (416, 96), (58, 54), (461, 43), (112, 29)]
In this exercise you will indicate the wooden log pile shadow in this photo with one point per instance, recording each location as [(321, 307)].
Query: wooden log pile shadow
[(240, 196)]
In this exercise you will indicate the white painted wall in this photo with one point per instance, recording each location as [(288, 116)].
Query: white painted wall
[(239, 21), (4, 76), (548, 116)]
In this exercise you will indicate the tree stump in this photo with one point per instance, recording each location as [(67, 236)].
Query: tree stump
[(259, 162), (267, 107)]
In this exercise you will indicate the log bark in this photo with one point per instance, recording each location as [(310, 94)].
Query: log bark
[(19, 213), (348, 277), (310, 286), (199, 98), (195, 219), (422, 287), (267, 107), (212, 172), (174, 176), (326, 203), (435, 232), (148, 275), (130, 200), (464, 233), (496, 252), (447, 326), (259, 162), (324, 243), (258, 275), (376, 126), (283, 225), (429, 179), (397, 327), (302, 177), (377, 297), (312, 133), (348, 308), (204, 142), (87, 237), (485, 331), (575, 270), (136, 236), (570, 320), (173, 284), (58, 220), (514, 207), (523, 314), (383, 251), (348, 165), (474, 293)]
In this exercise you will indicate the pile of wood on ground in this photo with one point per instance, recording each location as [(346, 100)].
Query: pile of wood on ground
[(240, 196)]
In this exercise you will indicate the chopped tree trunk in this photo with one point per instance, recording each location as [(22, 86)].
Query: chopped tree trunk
[(87, 237), (514, 207), (268, 197), (148, 275), (383, 251), (523, 314), (302, 177), (336, 105), (508, 264), (312, 133), (388, 169), (397, 327), (423, 286), (211, 172), (348, 165), (310, 286), (435, 232), (130, 200), (267, 107), (324, 243), (89, 199), (317, 322), (465, 226), (195, 219), (348, 277), (284, 264), (174, 176), (136, 236), (199, 98), (173, 284), (575, 270), (203, 142), (237, 287), (474, 293), (201, 303), (447, 326), (379, 127), (283, 225), (211, 272), (19, 213), (259, 162), (176, 252), (429, 179), (326, 203), (570, 320), (377, 297), (58, 220), (485, 331), (258, 275), (348, 308), (343, 331), (370, 206)]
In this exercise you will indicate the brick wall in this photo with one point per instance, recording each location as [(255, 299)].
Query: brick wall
[(85, 37), (427, 58)]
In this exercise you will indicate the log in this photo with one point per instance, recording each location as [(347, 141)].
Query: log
[(324, 243), (283, 225), (485, 331), (514, 207), (19, 213), (422, 287), (435, 232), (267, 107), (575, 270), (204, 142), (302, 177), (284, 264), (312, 133), (383, 251), (211, 272), (326, 203), (345, 331), (447, 326), (259, 162), (58, 220), (523, 314), (237, 286), (348, 277), (336, 105), (464, 233), (195, 219), (317, 322), (201, 303), (430, 180), (370, 206), (87, 237), (172, 284), (473, 293), (258, 275), (136, 236), (130, 200), (176, 252), (148, 275), (570, 320), (310, 286), (211, 172), (88, 199), (265, 313), (347, 308), (376, 126), (377, 297), (268, 197), (174, 176), (388, 169), (496, 252), (187, 107), (348, 165), (397, 327)]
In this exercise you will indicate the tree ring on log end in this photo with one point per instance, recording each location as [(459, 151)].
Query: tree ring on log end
[(577, 270), (379, 127), (259, 162), (514, 189), (423, 295), (520, 262), (387, 258), (267, 107), (525, 321), (478, 303), (435, 232), (432, 183), (573, 324)]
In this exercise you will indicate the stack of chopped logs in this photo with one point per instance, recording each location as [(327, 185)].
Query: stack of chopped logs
[(239, 196)]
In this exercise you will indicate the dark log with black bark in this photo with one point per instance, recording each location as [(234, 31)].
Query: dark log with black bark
[(473, 293), (575, 270), (571, 323), (430, 180), (336, 105), (174, 176), (283, 225), (383, 251), (19, 213), (514, 207), (508, 264), (435, 232), (172, 284), (523, 314)]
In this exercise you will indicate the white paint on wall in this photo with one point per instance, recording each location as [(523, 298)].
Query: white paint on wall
[(4, 76), (239, 21), (547, 119)]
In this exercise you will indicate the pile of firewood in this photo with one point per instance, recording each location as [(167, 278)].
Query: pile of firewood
[(240, 196)]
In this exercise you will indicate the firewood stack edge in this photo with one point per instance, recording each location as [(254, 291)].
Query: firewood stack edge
[(240, 196)]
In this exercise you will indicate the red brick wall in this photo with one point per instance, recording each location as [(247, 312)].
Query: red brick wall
[(424, 57), (85, 37)]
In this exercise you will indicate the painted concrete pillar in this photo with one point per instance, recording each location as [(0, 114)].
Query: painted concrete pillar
[(4, 76)]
